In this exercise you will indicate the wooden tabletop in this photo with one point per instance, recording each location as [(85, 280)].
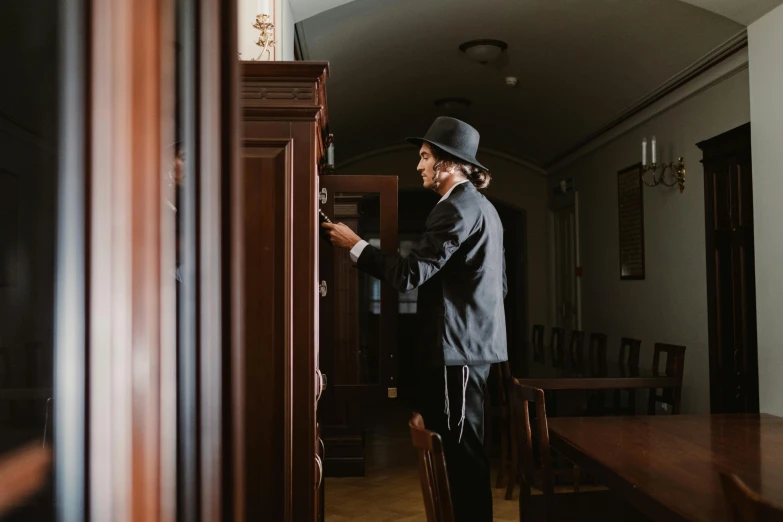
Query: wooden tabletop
[(668, 466)]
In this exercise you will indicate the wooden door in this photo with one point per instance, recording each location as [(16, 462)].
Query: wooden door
[(358, 314), (731, 285), (357, 318)]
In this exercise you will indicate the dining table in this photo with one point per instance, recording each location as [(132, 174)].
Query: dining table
[(668, 467)]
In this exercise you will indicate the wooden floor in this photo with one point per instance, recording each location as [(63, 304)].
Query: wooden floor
[(391, 490)]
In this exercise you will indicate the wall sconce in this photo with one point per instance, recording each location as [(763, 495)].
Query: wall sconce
[(677, 169)]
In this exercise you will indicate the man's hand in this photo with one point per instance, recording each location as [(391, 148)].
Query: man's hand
[(340, 235)]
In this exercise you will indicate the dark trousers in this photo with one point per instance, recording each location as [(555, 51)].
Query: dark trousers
[(466, 461)]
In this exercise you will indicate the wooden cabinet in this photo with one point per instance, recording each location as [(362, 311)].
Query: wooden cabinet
[(303, 301), (284, 121)]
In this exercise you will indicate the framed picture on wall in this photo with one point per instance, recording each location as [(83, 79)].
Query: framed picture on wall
[(630, 213)]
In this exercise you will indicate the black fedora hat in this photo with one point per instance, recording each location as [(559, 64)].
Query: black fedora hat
[(454, 137)]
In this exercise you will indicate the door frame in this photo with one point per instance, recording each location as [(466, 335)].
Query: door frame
[(116, 381), (560, 200)]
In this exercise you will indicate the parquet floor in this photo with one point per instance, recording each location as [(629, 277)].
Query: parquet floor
[(391, 490)]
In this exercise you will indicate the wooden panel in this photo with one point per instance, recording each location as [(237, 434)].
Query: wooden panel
[(303, 242), (266, 171), (668, 466)]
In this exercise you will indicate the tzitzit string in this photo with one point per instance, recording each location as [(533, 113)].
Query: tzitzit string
[(447, 409)]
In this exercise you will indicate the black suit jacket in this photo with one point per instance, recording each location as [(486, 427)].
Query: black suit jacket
[(460, 270)]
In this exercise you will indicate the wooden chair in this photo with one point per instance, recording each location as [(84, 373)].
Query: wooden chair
[(503, 412), (557, 346), (432, 472), (538, 342), (597, 366), (675, 365), (537, 498), (630, 350), (596, 352), (576, 348), (745, 505)]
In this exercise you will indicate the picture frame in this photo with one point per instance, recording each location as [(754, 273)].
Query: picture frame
[(630, 217)]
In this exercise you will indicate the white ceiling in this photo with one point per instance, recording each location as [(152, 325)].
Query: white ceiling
[(743, 11), (579, 64)]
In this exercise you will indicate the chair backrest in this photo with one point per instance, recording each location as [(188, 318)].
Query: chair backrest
[(675, 367), (576, 348), (522, 397), (745, 505), (597, 352), (630, 349), (557, 346), (538, 342), (432, 472), (675, 359)]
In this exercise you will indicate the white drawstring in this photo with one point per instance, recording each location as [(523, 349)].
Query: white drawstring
[(447, 410), (465, 375)]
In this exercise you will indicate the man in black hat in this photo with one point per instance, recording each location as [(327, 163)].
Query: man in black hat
[(460, 257)]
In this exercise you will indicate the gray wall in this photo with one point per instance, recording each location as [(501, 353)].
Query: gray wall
[(670, 305), (766, 86)]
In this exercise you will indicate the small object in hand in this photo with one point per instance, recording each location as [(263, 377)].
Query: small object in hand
[(324, 219)]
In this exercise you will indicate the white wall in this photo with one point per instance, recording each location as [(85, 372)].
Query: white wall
[(287, 27), (280, 10), (670, 305), (766, 88), (511, 183)]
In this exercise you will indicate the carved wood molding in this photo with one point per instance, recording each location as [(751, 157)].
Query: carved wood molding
[(267, 113), (276, 92)]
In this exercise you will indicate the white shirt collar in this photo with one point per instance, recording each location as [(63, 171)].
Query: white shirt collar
[(452, 188)]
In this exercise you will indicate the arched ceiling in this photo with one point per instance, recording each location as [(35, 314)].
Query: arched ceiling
[(579, 64)]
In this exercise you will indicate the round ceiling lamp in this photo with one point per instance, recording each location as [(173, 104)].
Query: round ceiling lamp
[(452, 106), (483, 51)]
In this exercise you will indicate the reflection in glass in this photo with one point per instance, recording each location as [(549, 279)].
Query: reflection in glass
[(407, 301), (357, 295)]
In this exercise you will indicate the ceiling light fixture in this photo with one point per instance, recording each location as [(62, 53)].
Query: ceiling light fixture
[(483, 51), (452, 106)]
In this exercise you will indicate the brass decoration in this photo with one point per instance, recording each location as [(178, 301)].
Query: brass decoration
[(265, 39), (678, 173), (392, 393)]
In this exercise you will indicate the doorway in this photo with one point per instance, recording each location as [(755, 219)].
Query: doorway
[(565, 238)]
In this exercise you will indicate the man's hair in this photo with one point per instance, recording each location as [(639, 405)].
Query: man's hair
[(445, 161)]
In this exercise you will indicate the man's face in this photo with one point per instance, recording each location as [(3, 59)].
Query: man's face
[(427, 166)]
